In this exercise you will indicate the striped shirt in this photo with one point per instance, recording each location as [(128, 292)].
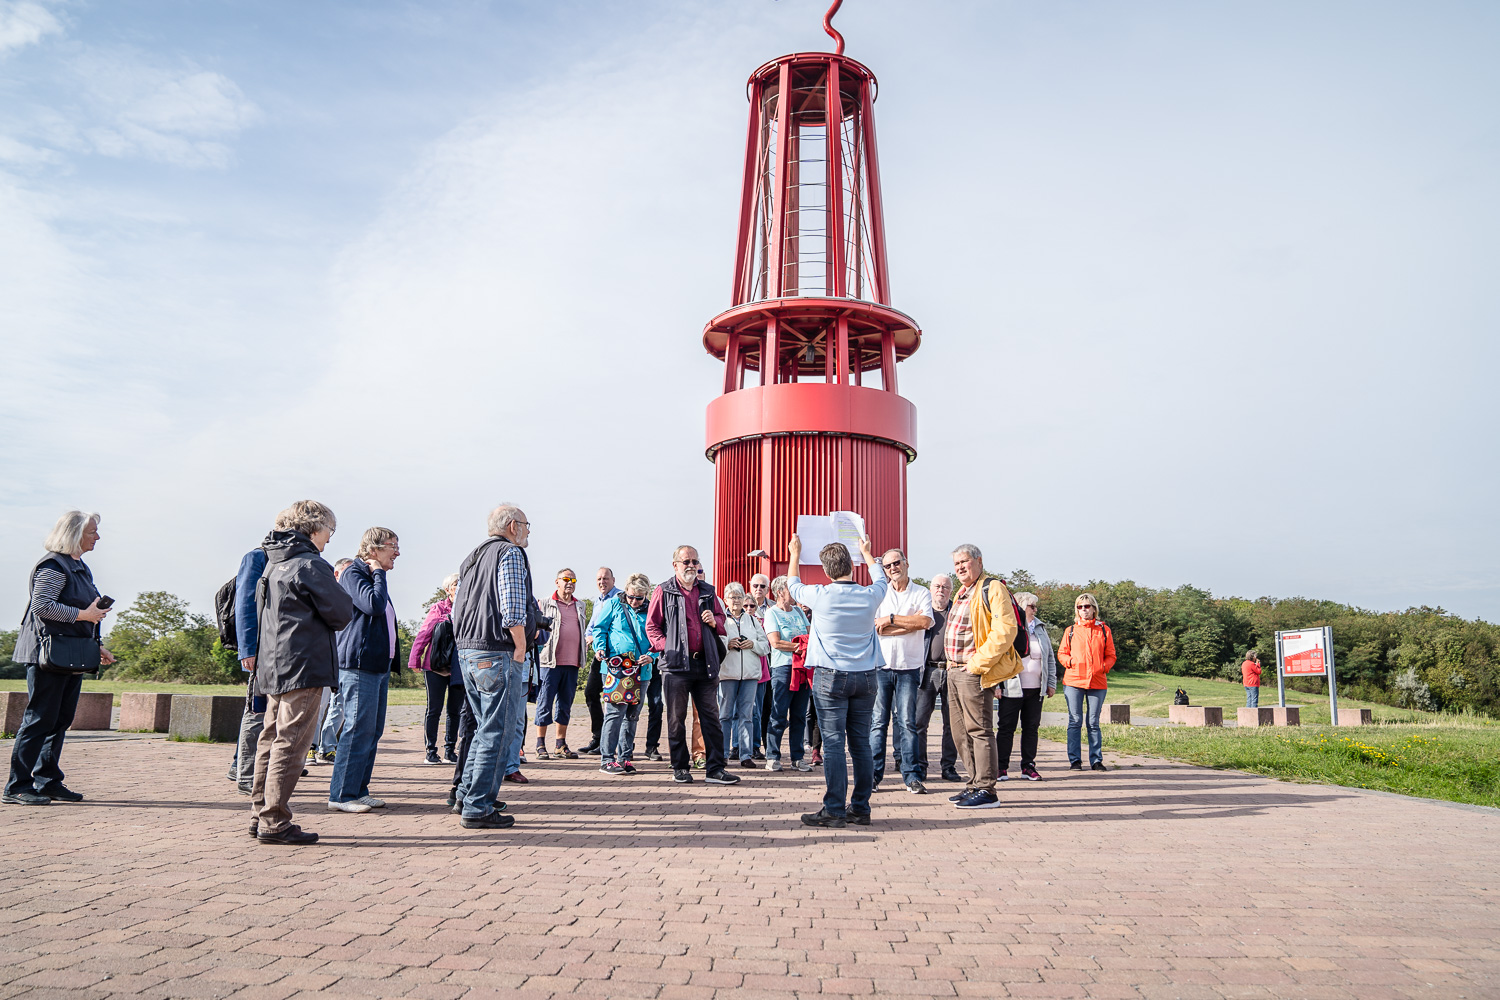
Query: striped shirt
[(44, 590), (958, 640)]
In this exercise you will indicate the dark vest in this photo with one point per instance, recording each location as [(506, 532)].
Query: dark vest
[(78, 592), (476, 609), (674, 609)]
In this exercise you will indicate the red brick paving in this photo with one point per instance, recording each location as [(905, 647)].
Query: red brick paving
[(1155, 880)]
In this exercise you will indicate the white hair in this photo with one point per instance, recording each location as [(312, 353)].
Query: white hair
[(972, 551), (733, 590), (1027, 599), (450, 580), (67, 534), (503, 517)]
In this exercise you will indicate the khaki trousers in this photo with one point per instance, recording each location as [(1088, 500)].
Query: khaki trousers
[(973, 721), (291, 723)]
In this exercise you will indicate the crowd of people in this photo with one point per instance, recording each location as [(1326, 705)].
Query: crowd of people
[(838, 669)]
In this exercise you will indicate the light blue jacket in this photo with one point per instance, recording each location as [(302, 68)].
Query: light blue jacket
[(619, 629), (843, 622)]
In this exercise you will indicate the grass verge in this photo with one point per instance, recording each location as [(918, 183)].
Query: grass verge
[(398, 696), (1453, 762)]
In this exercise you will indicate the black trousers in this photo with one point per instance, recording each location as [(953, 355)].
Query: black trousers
[(593, 687), (932, 694), (49, 713), (813, 738), (703, 690), (653, 712), (438, 689), (1027, 708), (466, 728)]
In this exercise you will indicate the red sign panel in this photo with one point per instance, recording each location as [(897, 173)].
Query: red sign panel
[(1303, 654)]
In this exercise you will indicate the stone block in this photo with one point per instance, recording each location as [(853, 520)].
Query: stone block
[(142, 711), (12, 708), (1288, 716), (1196, 715), (1356, 717), (94, 710), (214, 717), (1255, 717), (1117, 714)]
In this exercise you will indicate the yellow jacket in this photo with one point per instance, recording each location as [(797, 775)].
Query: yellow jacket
[(995, 659)]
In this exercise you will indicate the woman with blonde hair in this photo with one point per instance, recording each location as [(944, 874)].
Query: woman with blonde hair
[(1088, 651)]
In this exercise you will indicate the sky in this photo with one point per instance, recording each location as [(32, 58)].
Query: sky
[(1207, 291)]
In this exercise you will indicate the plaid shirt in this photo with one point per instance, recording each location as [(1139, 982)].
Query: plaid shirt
[(958, 640), (513, 596)]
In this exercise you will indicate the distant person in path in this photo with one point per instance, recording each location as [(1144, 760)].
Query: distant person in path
[(564, 654), (593, 684), (63, 617), (623, 657), (1250, 674), (901, 621), (932, 695), (739, 674), (844, 652), (433, 653), (1021, 697), (301, 607), (790, 695), (1088, 653), (980, 648), (684, 622), (367, 654)]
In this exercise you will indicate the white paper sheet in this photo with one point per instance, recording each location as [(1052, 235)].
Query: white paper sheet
[(817, 530)]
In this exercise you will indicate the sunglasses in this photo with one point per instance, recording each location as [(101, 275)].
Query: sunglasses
[(894, 565), (1084, 607), (635, 598), (689, 562)]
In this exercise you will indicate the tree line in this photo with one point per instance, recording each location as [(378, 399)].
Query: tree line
[(1421, 658)]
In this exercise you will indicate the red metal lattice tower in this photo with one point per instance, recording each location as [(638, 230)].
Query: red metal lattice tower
[(811, 314)]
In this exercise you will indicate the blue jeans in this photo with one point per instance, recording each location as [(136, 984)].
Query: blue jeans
[(333, 721), (788, 708), (896, 705), (1075, 698), (617, 738), (495, 686), (49, 713), (364, 696), (554, 695), (1252, 697), (846, 704), (737, 714)]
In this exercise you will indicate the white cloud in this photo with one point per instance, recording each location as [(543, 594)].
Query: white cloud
[(24, 23)]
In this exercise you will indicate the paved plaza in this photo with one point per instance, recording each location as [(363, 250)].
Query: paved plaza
[(1152, 880)]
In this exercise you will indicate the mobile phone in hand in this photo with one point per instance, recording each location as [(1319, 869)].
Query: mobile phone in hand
[(105, 603)]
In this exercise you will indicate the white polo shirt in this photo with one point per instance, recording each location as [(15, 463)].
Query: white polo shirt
[(905, 652)]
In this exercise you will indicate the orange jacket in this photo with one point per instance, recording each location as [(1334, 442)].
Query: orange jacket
[(1250, 673), (1088, 651)]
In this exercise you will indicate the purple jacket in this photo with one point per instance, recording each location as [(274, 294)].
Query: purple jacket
[(421, 647)]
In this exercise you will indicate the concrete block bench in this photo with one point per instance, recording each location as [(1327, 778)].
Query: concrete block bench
[(1288, 716), (94, 710), (1356, 717), (214, 717), (146, 712), (1118, 715), (1252, 717), (12, 708), (1196, 715)]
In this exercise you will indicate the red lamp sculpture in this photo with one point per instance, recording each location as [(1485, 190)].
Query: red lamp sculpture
[(812, 315)]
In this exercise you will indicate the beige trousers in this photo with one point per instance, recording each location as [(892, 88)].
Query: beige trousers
[(972, 716), (291, 724)]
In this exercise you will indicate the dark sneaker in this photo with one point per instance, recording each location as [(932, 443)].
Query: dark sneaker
[(489, 821), (517, 778), (821, 818), (563, 753), (432, 757), (683, 777), (916, 787), (1098, 765), (961, 795), (952, 775), (757, 755), (610, 767), (750, 762), (61, 793), (244, 789), (628, 767), (1077, 765), (1003, 776), (1030, 773), (326, 757), (592, 750), (858, 819), (254, 829), (452, 798), (978, 799), (293, 836), (450, 756), (25, 799), (722, 777), (653, 755)]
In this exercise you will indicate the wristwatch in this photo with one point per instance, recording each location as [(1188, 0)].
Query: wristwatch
[(893, 619)]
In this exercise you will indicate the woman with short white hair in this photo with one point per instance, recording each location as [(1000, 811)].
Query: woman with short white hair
[(1021, 697), (739, 674), (58, 643)]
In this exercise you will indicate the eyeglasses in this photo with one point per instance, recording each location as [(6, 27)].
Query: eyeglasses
[(891, 565), (635, 598), (688, 562)]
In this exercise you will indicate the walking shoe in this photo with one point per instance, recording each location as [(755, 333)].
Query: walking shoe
[(628, 767), (1077, 765), (371, 801), (452, 797), (592, 750), (1098, 765), (517, 778), (961, 795), (682, 777), (758, 755), (802, 765), (653, 755), (25, 799), (916, 787), (61, 792), (978, 799), (857, 819), (541, 752), (521, 757), (951, 774), (749, 762), (561, 750), (774, 764), (325, 757), (254, 829), (457, 808), (822, 818), (610, 767), (720, 776), (699, 763), (432, 757), (244, 789), (304, 772), (1003, 776), (489, 821), (817, 757), (347, 807), (311, 753), (1030, 773), (293, 835), (450, 756)]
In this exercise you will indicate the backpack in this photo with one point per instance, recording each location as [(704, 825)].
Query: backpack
[(1022, 641), (224, 615), (1181, 698)]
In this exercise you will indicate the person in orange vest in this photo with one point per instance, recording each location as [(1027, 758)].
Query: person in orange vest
[(1250, 674), (1088, 653)]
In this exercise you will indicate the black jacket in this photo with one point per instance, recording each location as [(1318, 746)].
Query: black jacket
[(300, 606)]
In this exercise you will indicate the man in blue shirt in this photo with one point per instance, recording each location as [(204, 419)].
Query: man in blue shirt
[(844, 653)]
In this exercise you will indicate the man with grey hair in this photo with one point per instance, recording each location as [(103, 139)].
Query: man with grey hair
[(934, 689), (494, 627), (901, 621), (759, 600)]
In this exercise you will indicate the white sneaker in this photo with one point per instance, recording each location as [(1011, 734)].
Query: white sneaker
[(347, 807), (774, 764), (802, 765), (371, 801)]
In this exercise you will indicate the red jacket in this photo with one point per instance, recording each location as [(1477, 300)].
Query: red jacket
[(1250, 671)]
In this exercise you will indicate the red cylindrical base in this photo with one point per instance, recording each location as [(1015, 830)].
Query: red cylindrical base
[(764, 483)]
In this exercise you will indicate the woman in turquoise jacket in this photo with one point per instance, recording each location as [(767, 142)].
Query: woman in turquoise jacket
[(623, 654)]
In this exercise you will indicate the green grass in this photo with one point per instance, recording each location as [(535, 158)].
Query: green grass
[(1454, 761)]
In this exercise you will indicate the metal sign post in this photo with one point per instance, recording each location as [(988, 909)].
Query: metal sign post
[(1333, 684), (1280, 674)]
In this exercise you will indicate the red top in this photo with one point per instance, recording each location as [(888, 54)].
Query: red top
[(1251, 672)]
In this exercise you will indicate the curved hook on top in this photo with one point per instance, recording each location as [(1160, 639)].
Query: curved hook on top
[(833, 32)]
